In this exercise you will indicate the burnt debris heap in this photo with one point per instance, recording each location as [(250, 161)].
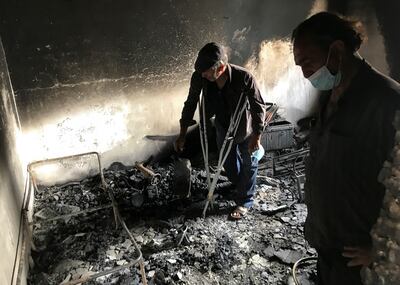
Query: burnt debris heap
[(178, 246), (386, 233)]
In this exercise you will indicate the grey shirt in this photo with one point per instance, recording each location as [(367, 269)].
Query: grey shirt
[(222, 103)]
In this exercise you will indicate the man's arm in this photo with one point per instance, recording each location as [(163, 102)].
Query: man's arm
[(188, 110), (190, 104), (257, 110)]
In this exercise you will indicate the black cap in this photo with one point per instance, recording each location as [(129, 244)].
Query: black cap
[(208, 56)]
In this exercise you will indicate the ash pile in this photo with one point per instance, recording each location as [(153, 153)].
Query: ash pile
[(178, 246), (386, 233)]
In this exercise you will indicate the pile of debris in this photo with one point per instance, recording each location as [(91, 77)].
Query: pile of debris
[(386, 232), (178, 246)]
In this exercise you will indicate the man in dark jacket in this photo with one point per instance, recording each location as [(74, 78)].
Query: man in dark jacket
[(350, 139), (222, 85)]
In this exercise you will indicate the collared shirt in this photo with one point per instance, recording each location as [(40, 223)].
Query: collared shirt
[(347, 150), (222, 102)]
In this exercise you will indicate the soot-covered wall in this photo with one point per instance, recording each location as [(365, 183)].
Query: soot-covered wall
[(386, 13), (11, 179), (99, 75)]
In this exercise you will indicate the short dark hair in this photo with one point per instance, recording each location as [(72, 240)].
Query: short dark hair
[(209, 55), (325, 28)]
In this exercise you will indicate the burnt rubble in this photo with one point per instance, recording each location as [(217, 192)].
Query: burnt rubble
[(385, 268), (178, 246)]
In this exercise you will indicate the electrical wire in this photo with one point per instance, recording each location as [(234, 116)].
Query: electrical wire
[(297, 263)]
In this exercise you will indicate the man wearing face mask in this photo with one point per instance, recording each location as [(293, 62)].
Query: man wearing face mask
[(222, 85), (350, 139)]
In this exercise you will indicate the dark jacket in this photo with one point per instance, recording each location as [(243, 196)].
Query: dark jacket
[(347, 152), (222, 103)]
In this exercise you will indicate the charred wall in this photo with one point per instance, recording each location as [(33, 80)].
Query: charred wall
[(70, 57), (11, 178), (70, 41), (386, 13)]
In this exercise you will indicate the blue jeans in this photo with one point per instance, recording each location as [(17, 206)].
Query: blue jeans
[(241, 169)]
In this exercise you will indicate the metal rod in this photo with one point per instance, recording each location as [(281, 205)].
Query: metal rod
[(44, 161), (203, 138), (229, 136), (148, 173), (233, 125), (132, 238), (183, 236), (21, 237), (26, 235), (142, 272)]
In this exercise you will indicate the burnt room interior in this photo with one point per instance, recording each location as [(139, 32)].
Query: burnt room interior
[(92, 191)]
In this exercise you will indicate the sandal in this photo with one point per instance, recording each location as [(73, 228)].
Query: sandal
[(238, 213)]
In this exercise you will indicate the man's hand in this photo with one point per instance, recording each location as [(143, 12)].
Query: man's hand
[(254, 143), (359, 255), (179, 143)]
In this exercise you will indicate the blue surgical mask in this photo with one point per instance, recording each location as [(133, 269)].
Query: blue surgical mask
[(323, 79), (258, 154)]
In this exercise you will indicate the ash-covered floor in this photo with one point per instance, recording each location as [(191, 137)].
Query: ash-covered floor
[(178, 246)]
